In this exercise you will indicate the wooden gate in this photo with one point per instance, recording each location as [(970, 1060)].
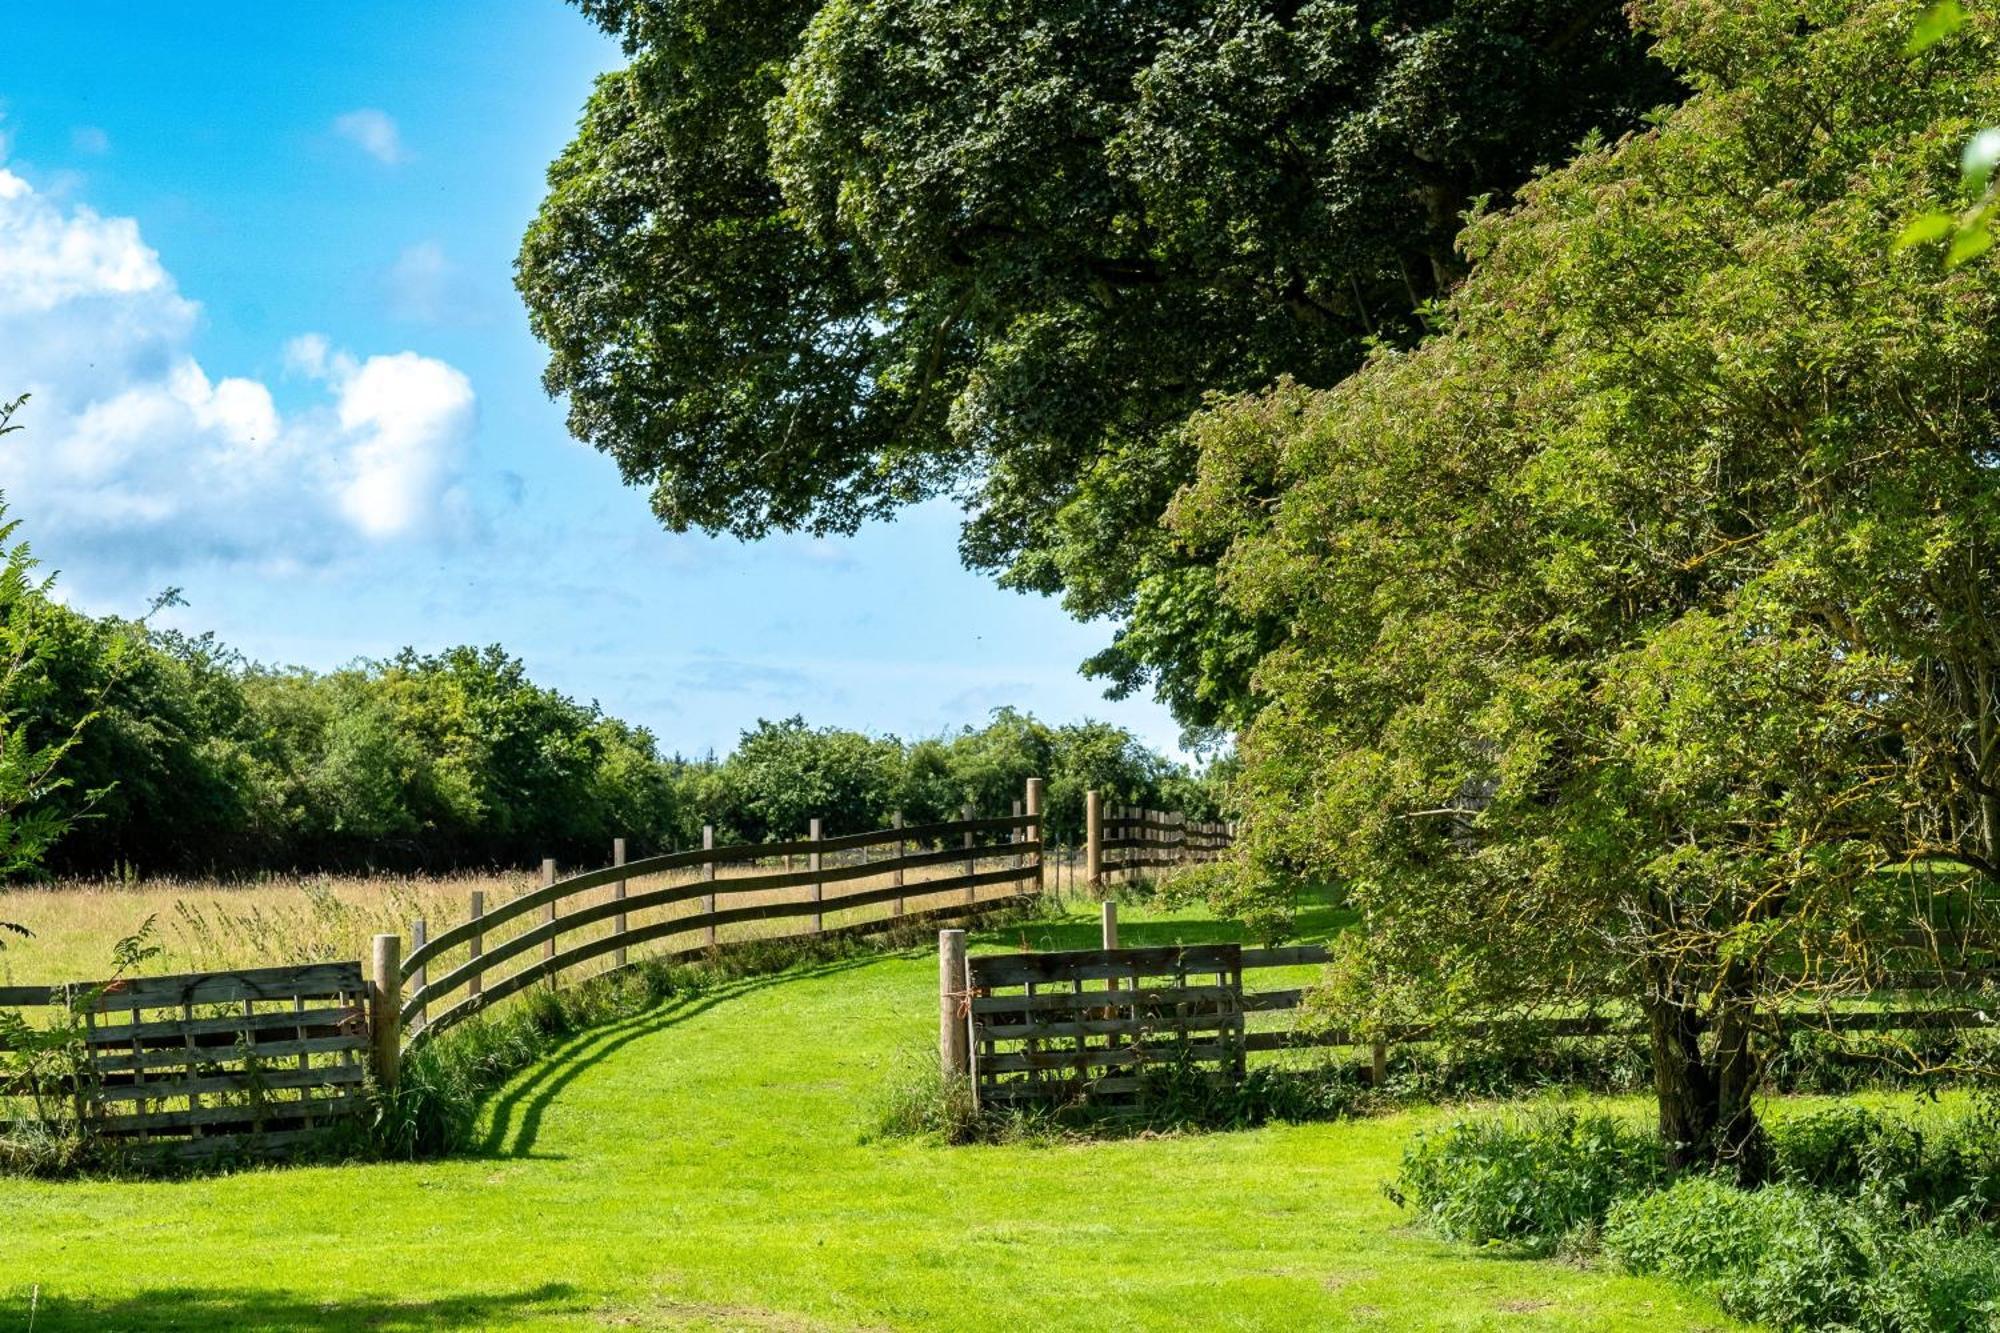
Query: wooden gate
[(257, 1062), (1086, 1026)]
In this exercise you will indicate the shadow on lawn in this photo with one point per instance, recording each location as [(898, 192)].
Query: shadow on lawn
[(529, 1097), (211, 1307)]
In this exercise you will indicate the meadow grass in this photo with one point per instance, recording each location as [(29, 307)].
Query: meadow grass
[(709, 1164)]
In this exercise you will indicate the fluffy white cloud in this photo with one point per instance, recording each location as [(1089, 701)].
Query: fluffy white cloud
[(137, 460), (372, 131)]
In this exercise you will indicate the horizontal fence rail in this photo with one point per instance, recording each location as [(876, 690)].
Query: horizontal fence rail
[(684, 902)]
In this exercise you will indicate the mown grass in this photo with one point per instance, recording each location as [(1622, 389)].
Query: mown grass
[(708, 1164)]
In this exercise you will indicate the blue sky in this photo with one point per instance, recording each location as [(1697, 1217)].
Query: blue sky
[(254, 266)]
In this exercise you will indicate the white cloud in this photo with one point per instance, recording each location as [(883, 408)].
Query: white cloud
[(135, 457), (373, 131)]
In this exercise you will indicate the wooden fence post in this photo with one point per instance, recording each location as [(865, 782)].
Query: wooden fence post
[(971, 858), (385, 1000), (1093, 841), (549, 911), (708, 876), (1109, 918), (477, 946), (618, 895), (1016, 834), (419, 935), (812, 864), (896, 822), (1378, 1063), (954, 1048), (1034, 834)]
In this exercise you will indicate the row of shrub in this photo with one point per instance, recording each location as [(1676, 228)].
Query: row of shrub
[(1869, 1222), (197, 760)]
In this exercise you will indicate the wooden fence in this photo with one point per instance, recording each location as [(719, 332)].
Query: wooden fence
[(263, 1059), (1031, 1028), (1085, 1025), (205, 1064), (869, 881)]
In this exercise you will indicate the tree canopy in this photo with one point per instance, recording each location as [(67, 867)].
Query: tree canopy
[(805, 263), (1642, 630)]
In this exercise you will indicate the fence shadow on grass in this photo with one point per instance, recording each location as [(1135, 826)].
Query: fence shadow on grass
[(218, 1308), (530, 1096)]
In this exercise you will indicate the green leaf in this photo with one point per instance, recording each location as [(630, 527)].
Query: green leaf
[(1925, 229), (1935, 24), (1969, 244)]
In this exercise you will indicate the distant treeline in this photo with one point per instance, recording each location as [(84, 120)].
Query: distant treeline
[(198, 760)]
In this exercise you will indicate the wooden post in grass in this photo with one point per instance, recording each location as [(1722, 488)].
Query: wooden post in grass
[(708, 877), (896, 875), (1093, 840), (812, 864), (1016, 835), (1033, 832), (1109, 915), (618, 895), (954, 1049), (971, 857), (419, 934), (477, 946), (385, 1007), (549, 911)]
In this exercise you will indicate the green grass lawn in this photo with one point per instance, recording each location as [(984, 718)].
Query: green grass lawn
[(704, 1167)]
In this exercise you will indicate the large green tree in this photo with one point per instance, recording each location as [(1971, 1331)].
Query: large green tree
[(1642, 630), (807, 262)]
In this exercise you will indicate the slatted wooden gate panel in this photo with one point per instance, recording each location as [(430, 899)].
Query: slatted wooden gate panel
[(1084, 1026), (257, 1062)]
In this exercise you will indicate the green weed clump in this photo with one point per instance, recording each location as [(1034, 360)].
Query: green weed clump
[(1794, 1258), (1537, 1183)]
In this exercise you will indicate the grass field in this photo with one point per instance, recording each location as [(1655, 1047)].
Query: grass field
[(204, 925), (704, 1166)]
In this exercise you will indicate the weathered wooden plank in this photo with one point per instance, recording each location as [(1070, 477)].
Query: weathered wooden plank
[(1144, 1026), (994, 970), (311, 980), (1074, 1001), (112, 1062), (240, 1080), (26, 997), (321, 1022), (272, 1115), (1296, 955), (1117, 1057)]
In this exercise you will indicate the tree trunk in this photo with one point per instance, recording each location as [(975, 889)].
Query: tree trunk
[(1707, 1118)]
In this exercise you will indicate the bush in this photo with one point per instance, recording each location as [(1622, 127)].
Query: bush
[(1946, 1165), (1538, 1182), (1796, 1259)]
